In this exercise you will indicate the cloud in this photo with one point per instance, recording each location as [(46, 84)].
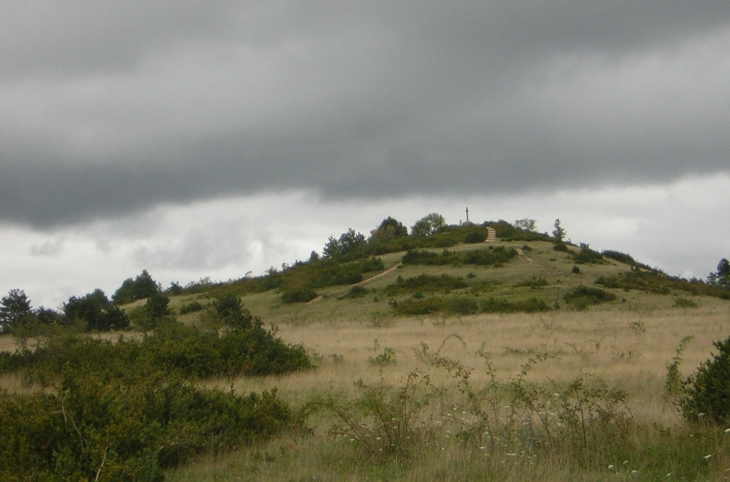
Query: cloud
[(111, 109)]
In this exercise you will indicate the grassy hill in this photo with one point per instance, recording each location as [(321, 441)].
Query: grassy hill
[(432, 359), (536, 271)]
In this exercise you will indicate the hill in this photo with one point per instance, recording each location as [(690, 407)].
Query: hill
[(474, 352)]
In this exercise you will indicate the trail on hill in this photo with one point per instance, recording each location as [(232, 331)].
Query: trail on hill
[(365, 281), (521, 254)]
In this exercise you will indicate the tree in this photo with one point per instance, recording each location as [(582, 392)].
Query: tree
[(722, 276), (97, 311), (390, 228), (558, 232), (231, 312), (428, 225), (350, 245), (14, 307), (526, 224), (139, 288)]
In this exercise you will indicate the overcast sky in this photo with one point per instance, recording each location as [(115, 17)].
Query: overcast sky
[(215, 138)]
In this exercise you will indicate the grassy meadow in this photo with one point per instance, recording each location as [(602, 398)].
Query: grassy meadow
[(566, 393), (506, 424)]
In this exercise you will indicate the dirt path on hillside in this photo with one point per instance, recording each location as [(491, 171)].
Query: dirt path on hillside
[(365, 281), (521, 254)]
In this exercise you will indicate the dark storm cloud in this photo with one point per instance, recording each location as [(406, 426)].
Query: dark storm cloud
[(111, 108)]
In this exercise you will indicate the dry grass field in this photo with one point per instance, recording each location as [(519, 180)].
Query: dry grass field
[(629, 350), (560, 395)]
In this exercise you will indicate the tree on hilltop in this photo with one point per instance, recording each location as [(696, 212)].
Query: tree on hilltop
[(14, 307), (428, 225), (139, 288)]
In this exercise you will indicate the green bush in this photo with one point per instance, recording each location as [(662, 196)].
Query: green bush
[(706, 393), (425, 282), (619, 256), (192, 307), (477, 235), (588, 256), (126, 429), (422, 306), (298, 295), (581, 297), (495, 305), (355, 292), (461, 305)]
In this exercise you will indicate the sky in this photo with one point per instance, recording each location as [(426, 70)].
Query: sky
[(222, 138)]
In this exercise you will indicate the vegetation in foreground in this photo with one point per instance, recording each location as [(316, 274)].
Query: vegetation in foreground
[(146, 406)]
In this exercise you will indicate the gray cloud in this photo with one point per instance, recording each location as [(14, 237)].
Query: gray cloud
[(115, 108)]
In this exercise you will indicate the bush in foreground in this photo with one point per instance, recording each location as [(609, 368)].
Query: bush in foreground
[(706, 393)]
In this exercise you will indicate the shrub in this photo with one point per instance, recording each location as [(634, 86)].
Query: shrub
[(476, 236), (588, 256), (496, 305), (486, 257), (461, 305), (684, 303), (192, 307), (707, 392), (619, 256), (355, 292), (583, 296), (425, 282), (127, 429), (534, 282), (298, 295), (423, 306)]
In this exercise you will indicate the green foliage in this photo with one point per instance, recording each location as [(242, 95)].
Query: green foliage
[(192, 307), (522, 230), (171, 348), (587, 256), (425, 282), (619, 256), (139, 288), (482, 257), (96, 311), (230, 312), (673, 383), (382, 421), (558, 232), (428, 225), (465, 305), (680, 302), (722, 276), (706, 394), (14, 307), (350, 245), (126, 429), (534, 282), (476, 235), (390, 228), (489, 257), (581, 297), (384, 358), (461, 305), (298, 295), (575, 270), (424, 257), (561, 246), (525, 224), (355, 292), (495, 305), (659, 283), (157, 306), (413, 307)]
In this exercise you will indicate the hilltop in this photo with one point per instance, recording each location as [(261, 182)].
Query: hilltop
[(450, 270)]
